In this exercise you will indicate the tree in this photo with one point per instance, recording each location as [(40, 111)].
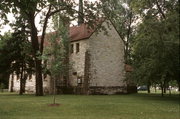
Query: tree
[(29, 9), (16, 57), (56, 53), (23, 64), (5, 59), (155, 46)]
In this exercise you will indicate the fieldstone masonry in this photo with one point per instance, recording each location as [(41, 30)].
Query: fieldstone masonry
[(106, 68)]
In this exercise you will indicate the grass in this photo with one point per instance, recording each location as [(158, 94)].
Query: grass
[(134, 106)]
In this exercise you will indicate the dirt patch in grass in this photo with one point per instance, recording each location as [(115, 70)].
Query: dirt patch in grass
[(54, 105)]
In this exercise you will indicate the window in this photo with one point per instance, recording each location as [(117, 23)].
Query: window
[(79, 80), (74, 73), (77, 47), (72, 48)]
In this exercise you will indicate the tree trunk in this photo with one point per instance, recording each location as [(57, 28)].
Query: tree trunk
[(162, 90), (39, 81), (36, 54), (148, 87), (51, 86), (164, 86), (22, 84), (170, 90), (178, 82), (54, 92), (155, 88), (20, 90), (21, 81)]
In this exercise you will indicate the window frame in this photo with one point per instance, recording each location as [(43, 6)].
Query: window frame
[(72, 48), (77, 47)]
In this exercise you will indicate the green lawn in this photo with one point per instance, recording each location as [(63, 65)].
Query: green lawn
[(134, 106)]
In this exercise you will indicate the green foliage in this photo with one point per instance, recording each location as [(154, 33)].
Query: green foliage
[(57, 49), (5, 49), (6, 54), (16, 52), (2, 86), (23, 54), (156, 45)]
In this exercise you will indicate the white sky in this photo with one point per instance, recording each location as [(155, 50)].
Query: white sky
[(6, 28)]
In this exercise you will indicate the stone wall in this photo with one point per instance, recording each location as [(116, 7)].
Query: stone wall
[(106, 70), (77, 62), (30, 84), (109, 90), (107, 58)]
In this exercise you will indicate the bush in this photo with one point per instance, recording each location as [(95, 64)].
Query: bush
[(2, 86)]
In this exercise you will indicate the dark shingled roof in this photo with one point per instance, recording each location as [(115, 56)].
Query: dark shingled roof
[(80, 32), (77, 33)]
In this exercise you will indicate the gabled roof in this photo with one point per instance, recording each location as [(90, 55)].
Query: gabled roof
[(84, 31), (76, 33), (80, 32)]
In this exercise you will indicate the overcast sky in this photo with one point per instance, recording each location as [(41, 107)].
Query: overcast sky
[(6, 28)]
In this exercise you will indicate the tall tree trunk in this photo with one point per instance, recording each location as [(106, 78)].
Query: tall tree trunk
[(39, 81), (162, 92), (155, 88), (21, 81), (162, 89), (36, 53), (170, 90), (165, 86), (178, 82), (148, 87), (24, 82)]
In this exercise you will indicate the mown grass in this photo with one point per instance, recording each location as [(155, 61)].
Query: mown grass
[(134, 106)]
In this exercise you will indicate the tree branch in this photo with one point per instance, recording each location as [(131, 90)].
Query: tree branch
[(49, 14), (56, 11), (160, 10), (129, 26), (44, 29)]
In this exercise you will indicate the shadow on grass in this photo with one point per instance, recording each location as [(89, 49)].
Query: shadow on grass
[(174, 98), (14, 94)]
